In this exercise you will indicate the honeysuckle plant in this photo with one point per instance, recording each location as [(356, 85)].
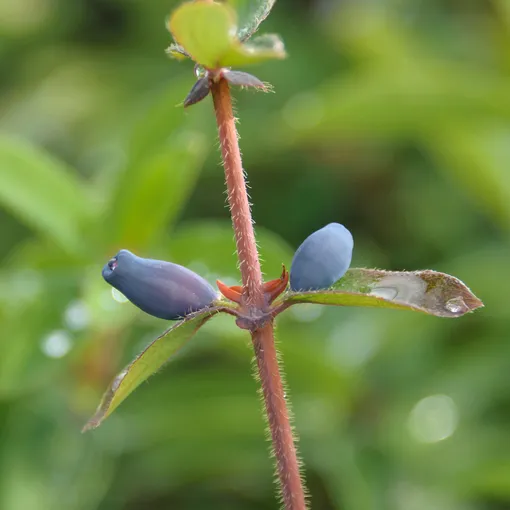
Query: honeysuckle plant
[(220, 41)]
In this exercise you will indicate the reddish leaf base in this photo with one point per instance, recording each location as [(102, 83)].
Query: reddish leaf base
[(272, 289)]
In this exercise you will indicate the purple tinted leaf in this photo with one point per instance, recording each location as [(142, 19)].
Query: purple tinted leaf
[(426, 291), (243, 79), (198, 92)]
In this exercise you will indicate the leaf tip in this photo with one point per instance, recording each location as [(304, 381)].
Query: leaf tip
[(457, 297), (92, 424)]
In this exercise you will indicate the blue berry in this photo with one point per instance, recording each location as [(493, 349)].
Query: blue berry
[(322, 259), (159, 288)]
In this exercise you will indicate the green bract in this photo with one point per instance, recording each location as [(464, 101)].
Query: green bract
[(207, 32)]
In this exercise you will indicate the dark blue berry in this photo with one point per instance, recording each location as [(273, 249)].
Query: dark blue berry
[(159, 288), (322, 259)]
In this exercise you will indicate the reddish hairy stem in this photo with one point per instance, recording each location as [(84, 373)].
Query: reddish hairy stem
[(237, 195), (253, 298), (278, 417)]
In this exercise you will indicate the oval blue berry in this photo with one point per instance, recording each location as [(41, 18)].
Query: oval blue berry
[(159, 288), (322, 259)]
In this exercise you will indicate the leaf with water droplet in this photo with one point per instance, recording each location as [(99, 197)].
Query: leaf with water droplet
[(426, 291), (153, 357), (207, 32)]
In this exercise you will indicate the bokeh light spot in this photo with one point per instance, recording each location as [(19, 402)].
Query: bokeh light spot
[(433, 419), (77, 316), (57, 344)]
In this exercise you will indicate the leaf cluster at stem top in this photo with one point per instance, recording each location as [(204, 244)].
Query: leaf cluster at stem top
[(208, 33)]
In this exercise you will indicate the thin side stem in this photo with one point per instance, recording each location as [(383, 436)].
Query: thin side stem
[(253, 298), (278, 417)]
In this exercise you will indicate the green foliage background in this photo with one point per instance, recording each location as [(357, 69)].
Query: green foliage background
[(392, 117)]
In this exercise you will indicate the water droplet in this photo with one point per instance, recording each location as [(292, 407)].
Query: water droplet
[(456, 305), (433, 419), (57, 344), (389, 293), (402, 287), (118, 296), (118, 380), (77, 316)]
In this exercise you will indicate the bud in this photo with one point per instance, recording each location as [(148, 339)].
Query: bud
[(199, 91), (159, 288), (322, 259)]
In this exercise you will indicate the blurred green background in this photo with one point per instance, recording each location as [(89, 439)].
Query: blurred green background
[(391, 117)]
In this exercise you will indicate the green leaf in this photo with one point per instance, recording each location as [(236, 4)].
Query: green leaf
[(207, 32), (426, 291), (259, 49), (153, 190), (251, 14), (204, 31), (42, 192), (155, 355)]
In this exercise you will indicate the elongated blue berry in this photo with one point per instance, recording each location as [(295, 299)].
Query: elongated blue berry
[(322, 259), (159, 288)]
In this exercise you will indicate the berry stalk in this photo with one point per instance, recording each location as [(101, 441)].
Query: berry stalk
[(253, 300)]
